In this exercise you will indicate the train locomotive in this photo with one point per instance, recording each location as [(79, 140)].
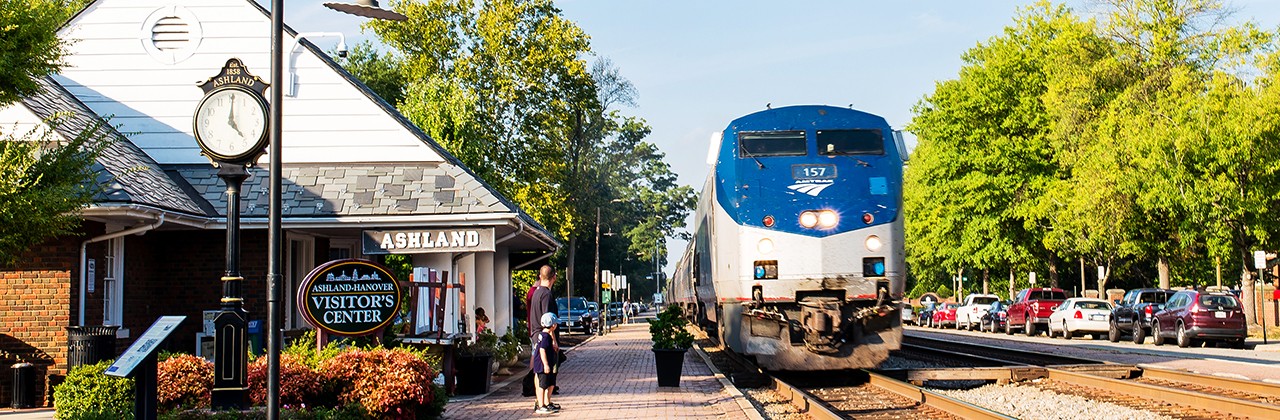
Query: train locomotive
[(797, 257)]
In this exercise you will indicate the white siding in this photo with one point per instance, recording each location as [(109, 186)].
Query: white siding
[(16, 121), (111, 71)]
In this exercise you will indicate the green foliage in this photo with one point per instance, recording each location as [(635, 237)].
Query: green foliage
[(667, 329), (485, 343), (89, 394), (30, 48), (44, 182), (304, 347), (509, 345), (184, 381), (1139, 137), (945, 292)]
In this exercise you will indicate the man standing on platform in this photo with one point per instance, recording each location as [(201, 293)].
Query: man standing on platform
[(540, 302)]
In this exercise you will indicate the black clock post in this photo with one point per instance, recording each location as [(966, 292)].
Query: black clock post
[(231, 350), (230, 127)]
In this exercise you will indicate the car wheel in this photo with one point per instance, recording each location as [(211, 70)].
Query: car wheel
[(1138, 333), (1008, 329), (1184, 340), (1113, 333), (1029, 329), (1156, 337), (1067, 334), (1237, 343)]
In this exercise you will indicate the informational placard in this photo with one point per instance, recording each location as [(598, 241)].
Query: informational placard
[(144, 346), (91, 274), (349, 297)]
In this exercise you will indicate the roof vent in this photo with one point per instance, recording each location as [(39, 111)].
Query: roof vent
[(171, 34)]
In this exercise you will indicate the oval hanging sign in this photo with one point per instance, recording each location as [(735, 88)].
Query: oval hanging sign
[(349, 297)]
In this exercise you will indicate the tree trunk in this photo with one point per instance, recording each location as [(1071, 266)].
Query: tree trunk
[(1053, 271), (573, 253), (986, 282), (1246, 295), (1082, 286), (1162, 268), (1012, 289)]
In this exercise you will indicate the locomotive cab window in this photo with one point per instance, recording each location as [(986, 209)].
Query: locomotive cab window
[(850, 142), (771, 143)]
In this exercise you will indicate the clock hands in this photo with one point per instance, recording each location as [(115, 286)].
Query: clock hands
[(231, 118)]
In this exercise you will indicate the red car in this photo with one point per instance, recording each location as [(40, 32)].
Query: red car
[(944, 315), (1031, 309), (1192, 317)]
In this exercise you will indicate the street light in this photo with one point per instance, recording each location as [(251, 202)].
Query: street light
[(364, 8), (597, 267)]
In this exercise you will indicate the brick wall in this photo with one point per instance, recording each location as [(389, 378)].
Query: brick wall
[(37, 302)]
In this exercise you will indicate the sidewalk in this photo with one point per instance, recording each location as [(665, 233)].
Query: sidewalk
[(613, 377)]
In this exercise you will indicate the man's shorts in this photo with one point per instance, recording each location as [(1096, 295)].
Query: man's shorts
[(545, 380)]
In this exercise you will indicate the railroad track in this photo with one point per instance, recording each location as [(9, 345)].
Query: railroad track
[(860, 394), (1175, 393)]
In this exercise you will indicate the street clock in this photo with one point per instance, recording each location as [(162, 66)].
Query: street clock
[(230, 123)]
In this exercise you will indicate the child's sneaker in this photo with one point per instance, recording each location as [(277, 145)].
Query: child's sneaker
[(544, 410), (554, 406)]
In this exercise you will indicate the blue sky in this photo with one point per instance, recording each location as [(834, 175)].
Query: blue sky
[(699, 64)]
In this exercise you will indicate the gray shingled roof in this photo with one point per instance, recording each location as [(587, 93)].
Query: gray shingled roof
[(328, 190), (125, 173)]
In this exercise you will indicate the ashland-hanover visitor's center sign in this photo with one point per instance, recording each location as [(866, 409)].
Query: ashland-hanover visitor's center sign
[(349, 297), (419, 241)]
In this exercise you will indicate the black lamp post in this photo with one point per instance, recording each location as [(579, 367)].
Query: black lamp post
[(275, 238)]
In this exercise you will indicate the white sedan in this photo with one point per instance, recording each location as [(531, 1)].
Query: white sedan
[(1078, 316)]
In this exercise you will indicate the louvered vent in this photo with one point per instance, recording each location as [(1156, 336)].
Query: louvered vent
[(170, 34)]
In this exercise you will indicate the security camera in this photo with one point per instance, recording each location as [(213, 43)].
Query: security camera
[(342, 49)]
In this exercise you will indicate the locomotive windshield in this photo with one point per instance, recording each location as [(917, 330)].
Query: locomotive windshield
[(850, 142), (772, 143)]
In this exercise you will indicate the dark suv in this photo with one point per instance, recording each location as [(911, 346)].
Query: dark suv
[(1133, 314), (1193, 316)]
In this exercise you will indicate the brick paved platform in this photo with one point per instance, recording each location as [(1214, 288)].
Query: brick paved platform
[(613, 377)]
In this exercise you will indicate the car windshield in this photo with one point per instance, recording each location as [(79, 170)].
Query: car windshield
[(850, 142), (984, 300), (1093, 305), (772, 143), (1047, 295), (577, 304), (1217, 302), (1154, 297)]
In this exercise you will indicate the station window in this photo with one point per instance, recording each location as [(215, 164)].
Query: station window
[(850, 142)]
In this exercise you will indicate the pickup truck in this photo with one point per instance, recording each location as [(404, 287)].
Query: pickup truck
[(1031, 309), (969, 316), (1133, 314)]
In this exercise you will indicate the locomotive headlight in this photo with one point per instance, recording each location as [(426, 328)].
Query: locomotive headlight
[(873, 243), (808, 219), (765, 246), (828, 219)]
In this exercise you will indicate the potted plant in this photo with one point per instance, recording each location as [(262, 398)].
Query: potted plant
[(507, 351), (474, 363), (670, 342)]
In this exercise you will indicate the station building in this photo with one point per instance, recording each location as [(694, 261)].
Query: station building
[(153, 242)]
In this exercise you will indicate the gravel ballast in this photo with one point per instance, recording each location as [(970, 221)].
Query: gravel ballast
[(1032, 403)]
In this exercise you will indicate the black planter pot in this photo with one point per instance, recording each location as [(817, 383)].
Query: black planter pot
[(474, 372), (670, 363)]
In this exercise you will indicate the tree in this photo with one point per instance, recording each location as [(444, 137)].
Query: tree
[(44, 180)]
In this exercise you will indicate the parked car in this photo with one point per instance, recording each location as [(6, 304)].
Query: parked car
[(1077, 316), (575, 316), (944, 314), (1133, 314), (997, 317), (970, 313), (615, 310), (1031, 308), (1192, 317), (908, 314)]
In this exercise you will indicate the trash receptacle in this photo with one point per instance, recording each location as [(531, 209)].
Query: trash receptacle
[(87, 345), (24, 385)]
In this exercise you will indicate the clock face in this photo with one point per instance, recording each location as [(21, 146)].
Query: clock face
[(230, 124)]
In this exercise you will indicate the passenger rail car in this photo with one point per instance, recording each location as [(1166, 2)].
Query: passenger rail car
[(797, 257)]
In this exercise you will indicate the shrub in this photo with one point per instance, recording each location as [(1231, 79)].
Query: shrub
[(299, 385), (184, 381), (89, 394), (388, 383), (508, 346), (667, 330)]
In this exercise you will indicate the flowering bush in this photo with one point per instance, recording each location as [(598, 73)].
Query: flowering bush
[(184, 381), (299, 385), (389, 383)]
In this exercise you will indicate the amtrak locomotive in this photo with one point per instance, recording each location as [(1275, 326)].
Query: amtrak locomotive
[(797, 259)]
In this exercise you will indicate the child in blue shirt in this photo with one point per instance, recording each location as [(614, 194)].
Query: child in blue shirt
[(543, 364)]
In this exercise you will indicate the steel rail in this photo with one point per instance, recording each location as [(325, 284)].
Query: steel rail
[(941, 402), (804, 402), (1228, 384), (1225, 405)]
